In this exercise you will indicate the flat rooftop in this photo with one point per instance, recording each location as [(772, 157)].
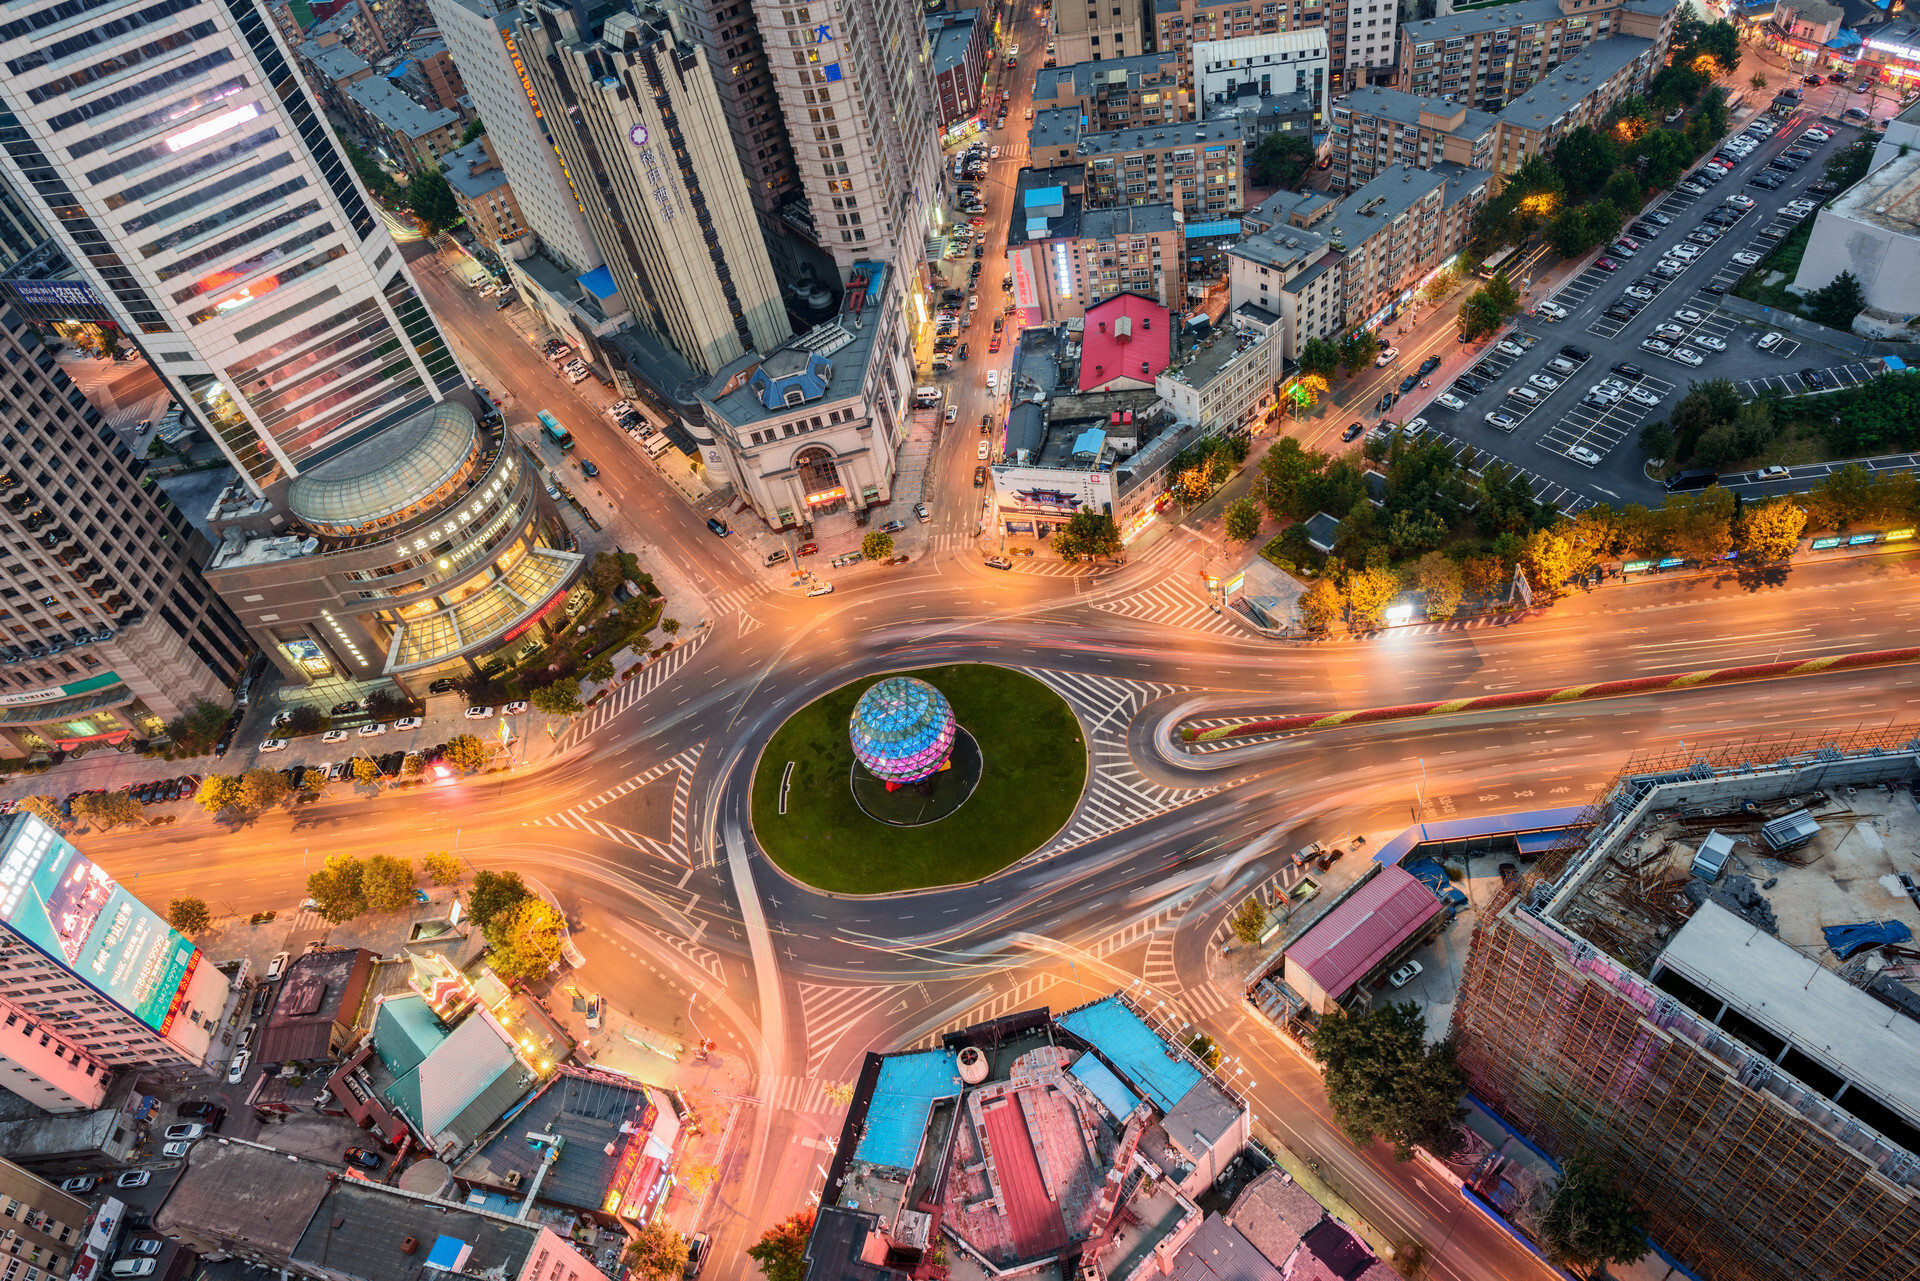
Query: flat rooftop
[(1547, 100), (1212, 358), (1455, 118), (1888, 198)]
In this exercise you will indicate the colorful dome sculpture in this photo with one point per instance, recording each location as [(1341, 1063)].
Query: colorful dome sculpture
[(902, 730)]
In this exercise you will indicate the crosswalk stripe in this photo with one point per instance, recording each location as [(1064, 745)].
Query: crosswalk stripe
[(829, 1013)]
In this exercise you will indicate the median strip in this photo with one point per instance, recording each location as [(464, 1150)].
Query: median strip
[(1564, 694)]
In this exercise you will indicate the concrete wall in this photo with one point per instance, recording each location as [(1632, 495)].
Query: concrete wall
[(1886, 262)]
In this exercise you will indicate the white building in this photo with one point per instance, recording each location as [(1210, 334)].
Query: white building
[(1264, 65), (1293, 274), (1872, 229), (1225, 382)]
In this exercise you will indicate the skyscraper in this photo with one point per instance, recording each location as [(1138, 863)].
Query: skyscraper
[(639, 121), (176, 157), (91, 979)]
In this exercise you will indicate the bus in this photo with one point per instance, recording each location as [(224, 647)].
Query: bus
[(555, 432), (1494, 263)]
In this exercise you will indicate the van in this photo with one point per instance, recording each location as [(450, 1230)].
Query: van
[(941, 365), (1526, 395), (1697, 478), (776, 556), (133, 1267), (929, 395), (656, 444)]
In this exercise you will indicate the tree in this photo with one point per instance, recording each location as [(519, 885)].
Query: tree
[(432, 202), (47, 810), (107, 810), (606, 573), (365, 772), (782, 1249), (307, 719), (1280, 160), (1206, 1049), (1320, 605), (1663, 155), (1319, 356), (441, 867), (1250, 921), (670, 626), (387, 705), (1242, 520), (495, 894), (189, 915), (1623, 192), (877, 545), (841, 1092), (699, 1176), (562, 698), (1369, 592), (1849, 165), (1088, 532), (1287, 468), (474, 129), (656, 1252), (1444, 282), (1547, 559), (1841, 498), (217, 792), (1438, 577), (1385, 1082), (313, 783), (338, 889), (378, 180), (1705, 405), (526, 942), (1758, 80), (1359, 349), (1656, 439), (467, 752), (413, 765), (1488, 307), (262, 789), (1770, 529), (1699, 526), (196, 730), (1584, 160), (387, 882), (1837, 302), (1588, 1223)]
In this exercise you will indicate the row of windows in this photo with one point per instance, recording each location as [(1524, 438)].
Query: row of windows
[(134, 126), (60, 50), (212, 191), (120, 62), (214, 252), (182, 173)]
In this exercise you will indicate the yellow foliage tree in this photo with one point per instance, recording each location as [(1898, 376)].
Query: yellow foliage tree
[(1320, 605), (1369, 592), (1548, 559), (1770, 530)]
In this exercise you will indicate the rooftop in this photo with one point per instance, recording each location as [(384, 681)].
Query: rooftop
[(251, 1195), (949, 41), (1362, 930), (461, 175), (1290, 209), (1555, 93), (464, 1085), (320, 990), (1031, 222), (846, 342), (598, 1115), (1205, 361), (1060, 130), (361, 1230), (1398, 189), (1888, 198), (1251, 107), (1127, 337), (1127, 220), (1083, 79), (389, 473), (1284, 248), (1474, 21), (396, 110), (1455, 118), (334, 61), (1308, 42), (52, 1136)]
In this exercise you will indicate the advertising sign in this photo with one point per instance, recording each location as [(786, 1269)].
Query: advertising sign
[(1823, 544), (1861, 540), (60, 293), (1024, 294), (70, 909)]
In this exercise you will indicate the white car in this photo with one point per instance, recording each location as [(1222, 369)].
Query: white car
[(1614, 384), (1775, 472), (1657, 346), (376, 730), (516, 707), (273, 745), (1387, 356), (1609, 394), (1693, 189), (1707, 342), (1505, 422), (334, 736), (953, 412), (1740, 202), (1561, 365), (981, 451), (1769, 341), (1544, 382), (1405, 974), (1686, 252), (1747, 258), (993, 379), (277, 966), (1688, 316), (1511, 348), (993, 154), (1688, 356), (1581, 454), (1668, 329), (1413, 427), (134, 1179), (238, 1067), (1448, 400), (820, 589), (1644, 396), (1639, 291), (478, 713)]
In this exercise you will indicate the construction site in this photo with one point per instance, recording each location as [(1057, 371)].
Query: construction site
[(1710, 982)]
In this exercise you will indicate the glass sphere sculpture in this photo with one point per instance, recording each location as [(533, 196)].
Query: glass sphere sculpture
[(902, 730)]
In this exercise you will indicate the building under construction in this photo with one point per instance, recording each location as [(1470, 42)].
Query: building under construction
[(1711, 984)]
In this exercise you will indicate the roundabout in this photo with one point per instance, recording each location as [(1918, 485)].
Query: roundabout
[(913, 780)]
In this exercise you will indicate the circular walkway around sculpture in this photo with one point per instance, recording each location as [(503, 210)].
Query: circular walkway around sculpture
[(1031, 763), (907, 805)]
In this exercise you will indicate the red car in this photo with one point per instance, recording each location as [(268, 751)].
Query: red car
[(995, 344), (1606, 264), (976, 221), (808, 549)]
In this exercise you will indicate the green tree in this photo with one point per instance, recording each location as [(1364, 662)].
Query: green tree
[(1319, 356), (1699, 526), (441, 867), (313, 783), (1837, 302), (1506, 502), (1572, 233), (365, 772), (1206, 1049), (377, 180), (1438, 578), (495, 894), (1250, 921), (656, 1252), (1444, 282), (262, 789), (877, 545), (466, 752), (670, 626), (1588, 1222), (1385, 1082), (781, 1251), (1359, 349), (47, 810), (104, 811), (432, 202), (387, 882), (1694, 38), (1770, 529), (1623, 192), (337, 889), (1656, 439), (189, 915), (1663, 155), (196, 730), (1849, 165), (306, 719), (1280, 160), (1705, 405), (1088, 532), (474, 129), (600, 670), (1321, 604), (562, 698), (605, 574), (1479, 315), (1842, 498), (1242, 520), (1758, 80), (525, 943), (217, 792), (1287, 469), (1584, 159)]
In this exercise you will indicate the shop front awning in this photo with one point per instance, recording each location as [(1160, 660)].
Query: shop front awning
[(485, 618)]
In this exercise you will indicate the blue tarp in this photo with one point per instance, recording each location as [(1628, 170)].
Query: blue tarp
[(1131, 1046), (902, 1099), (1115, 1097), (1894, 364), (1845, 940), (599, 283)]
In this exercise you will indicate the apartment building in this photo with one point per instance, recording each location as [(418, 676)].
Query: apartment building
[(1293, 274), (1097, 30), (1487, 57), (1120, 93), (1580, 91), (1373, 129), (1227, 381), (1361, 36), (1197, 166), (1065, 259), (481, 190), (440, 76), (736, 47), (957, 56), (399, 128), (1226, 72), (330, 66), (48, 1227), (1397, 231)]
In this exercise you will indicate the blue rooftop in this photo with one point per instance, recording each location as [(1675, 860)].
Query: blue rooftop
[(1090, 442), (1520, 825), (902, 1100), (1224, 227), (1037, 228), (599, 283), (1045, 196), (1129, 1044), (1115, 1097)]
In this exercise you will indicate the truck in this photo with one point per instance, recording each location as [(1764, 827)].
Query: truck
[(555, 432)]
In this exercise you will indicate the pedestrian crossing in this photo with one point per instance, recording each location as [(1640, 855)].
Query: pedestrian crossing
[(1175, 603), (655, 675), (1117, 795), (677, 848), (796, 1094), (1024, 995), (307, 920), (829, 1013), (1146, 927), (739, 598)]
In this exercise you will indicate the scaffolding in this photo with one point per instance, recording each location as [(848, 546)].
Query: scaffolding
[(1745, 1172)]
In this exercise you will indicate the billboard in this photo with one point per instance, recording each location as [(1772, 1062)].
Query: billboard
[(1024, 292), (78, 915)]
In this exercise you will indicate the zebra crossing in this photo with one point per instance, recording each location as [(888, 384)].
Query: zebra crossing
[(739, 598), (1117, 795), (1157, 969), (796, 1094), (829, 1013), (677, 848), (1023, 996), (1175, 603), (655, 675)]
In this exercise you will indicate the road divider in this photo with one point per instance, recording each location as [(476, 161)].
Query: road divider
[(1541, 697)]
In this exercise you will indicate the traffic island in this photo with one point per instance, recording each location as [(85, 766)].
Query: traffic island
[(984, 772)]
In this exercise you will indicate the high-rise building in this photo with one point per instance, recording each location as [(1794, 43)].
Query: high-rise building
[(91, 979), (49, 1226), (730, 33), (640, 123), (182, 166)]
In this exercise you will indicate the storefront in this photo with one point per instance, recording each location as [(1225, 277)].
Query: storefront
[(99, 711)]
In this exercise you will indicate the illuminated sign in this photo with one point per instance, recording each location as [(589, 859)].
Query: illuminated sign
[(526, 82), (1861, 539), (71, 910), (826, 495), (56, 294), (1826, 544), (656, 178), (1062, 270), (1024, 294), (638, 135), (55, 692), (1899, 535), (555, 602)]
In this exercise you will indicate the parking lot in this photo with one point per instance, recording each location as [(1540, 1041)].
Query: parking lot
[(1796, 383)]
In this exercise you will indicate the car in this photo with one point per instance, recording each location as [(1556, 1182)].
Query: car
[(1620, 312), (237, 1068), (185, 1131), (1387, 356), (1769, 341), (147, 1246), (1812, 80), (1618, 250), (1579, 354), (201, 1110), (1723, 218), (273, 745), (365, 1158), (1655, 216), (1550, 311), (1764, 181), (1813, 378), (982, 450), (1386, 402), (1783, 164), (139, 1267), (1413, 427), (334, 736), (1747, 258), (1775, 472), (479, 712), (1693, 189), (1816, 135), (979, 477), (1700, 236), (81, 1185), (1505, 422), (1629, 242), (1667, 329), (893, 526), (1606, 264), (1448, 400), (1408, 383), (1669, 268), (993, 345), (1688, 356), (1632, 373), (1863, 87), (993, 379), (1823, 188), (1581, 454), (277, 966), (1686, 253), (1561, 365), (1352, 431), (1708, 342), (1687, 315), (1428, 365), (176, 1151), (1639, 291), (820, 589), (1643, 396), (1609, 394), (406, 723), (1405, 974), (134, 1179), (1544, 382), (697, 1249), (1510, 348), (1598, 402), (1643, 230), (998, 562), (374, 730), (1469, 384), (1483, 373), (1798, 153)]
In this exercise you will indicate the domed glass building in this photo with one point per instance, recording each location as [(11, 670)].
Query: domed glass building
[(902, 730)]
